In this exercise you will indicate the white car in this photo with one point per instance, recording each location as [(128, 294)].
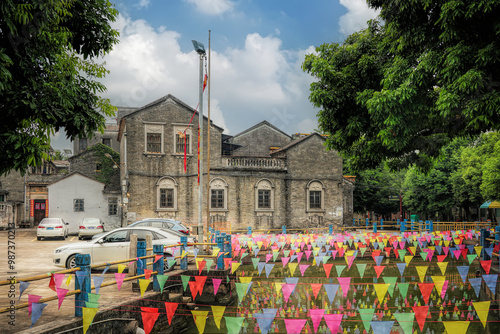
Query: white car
[(115, 246), (90, 227), (52, 227)]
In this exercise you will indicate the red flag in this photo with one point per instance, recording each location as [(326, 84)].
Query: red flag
[(420, 315), (147, 273), (378, 270), (426, 289), (316, 287), (149, 316), (486, 266), (200, 282), (170, 307), (201, 266), (328, 268), (52, 283)]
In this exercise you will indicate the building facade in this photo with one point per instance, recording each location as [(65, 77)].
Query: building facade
[(260, 177)]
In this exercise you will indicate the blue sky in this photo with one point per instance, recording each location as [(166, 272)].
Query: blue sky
[(257, 51)]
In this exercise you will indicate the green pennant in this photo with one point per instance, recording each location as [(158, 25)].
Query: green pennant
[(326, 258), (415, 243), (402, 254), (405, 320), (185, 280), (423, 255), (381, 245), (349, 241), (286, 253), (233, 324), (363, 250), (91, 305), (255, 261), (93, 298), (403, 289), (339, 269), (275, 255), (361, 268), (241, 290), (209, 263), (366, 316), (392, 281), (471, 257), (161, 281)]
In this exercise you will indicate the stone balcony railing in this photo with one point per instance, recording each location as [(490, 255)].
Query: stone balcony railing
[(254, 163)]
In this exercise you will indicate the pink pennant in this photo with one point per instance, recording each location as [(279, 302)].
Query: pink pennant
[(344, 284), (294, 325), (299, 256), (58, 278), (457, 253), (32, 299), (268, 257), (316, 316), (443, 291), (287, 290), (216, 282), (333, 321), (119, 277), (446, 250), (61, 293), (308, 253), (303, 268), (284, 261), (334, 254), (350, 260)]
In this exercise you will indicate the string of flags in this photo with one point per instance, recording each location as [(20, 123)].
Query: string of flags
[(305, 283)]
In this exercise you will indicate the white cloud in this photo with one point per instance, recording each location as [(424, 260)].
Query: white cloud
[(143, 3), (213, 7), (249, 84), (357, 16)]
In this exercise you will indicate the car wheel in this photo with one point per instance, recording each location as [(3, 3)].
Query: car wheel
[(80, 238), (71, 262), (166, 268), (38, 238), (63, 237)]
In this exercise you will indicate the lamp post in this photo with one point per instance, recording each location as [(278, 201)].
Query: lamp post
[(200, 49)]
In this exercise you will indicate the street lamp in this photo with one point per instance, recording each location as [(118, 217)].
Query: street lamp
[(200, 49)]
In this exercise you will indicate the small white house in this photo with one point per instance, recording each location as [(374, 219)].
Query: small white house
[(77, 196)]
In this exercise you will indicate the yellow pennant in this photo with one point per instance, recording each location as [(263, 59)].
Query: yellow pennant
[(259, 244), (246, 279), (277, 287), (200, 319), (478, 250), (121, 268), (198, 260), (68, 280), (381, 290), (421, 270), (184, 253), (315, 251), (408, 258), (250, 244), (442, 266), (292, 267), (447, 243), (438, 282), (218, 312), (215, 251), (482, 310), (413, 250), (143, 285), (88, 315), (234, 266), (456, 327)]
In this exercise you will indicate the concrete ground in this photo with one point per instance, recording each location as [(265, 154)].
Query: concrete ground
[(33, 258)]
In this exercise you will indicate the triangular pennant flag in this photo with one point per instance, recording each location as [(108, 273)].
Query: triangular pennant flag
[(61, 293), (52, 283), (316, 316), (456, 327), (218, 312), (366, 316), (143, 285), (241, 290), (344, 284), (401, 268), (22, 287), (185, 281), (426, 289), (486, 265), (269, 267), (265, 319), (339, 269), (315, 288), (216, 282), (233, 324), (119, 277), (200, 319), (97, 282), (88, 314), (292, 267), (482, 310), (170, 308), (80, 276), (392, 281), (378, 270), (405, 320), (234, 266), (32, 299), (331, 291), (200, 283), (463, 271), (303, 268), (149, 316), (58, 278), (421, 270), (333, 321), (403, 289), (381, 290), (439, 283), (121, 268), (104, 271), (476, 284), (420, 315), (162, 279), (287, 290), (381, 327), (361, 268), (36, 312), (294, 325), (442, 266), (491, 282)]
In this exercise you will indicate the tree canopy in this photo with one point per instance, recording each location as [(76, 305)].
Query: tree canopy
[(403, 90), (49, 73)]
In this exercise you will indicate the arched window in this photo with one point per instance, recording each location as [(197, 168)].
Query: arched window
[(264, 195), (166, 194), (315, 196), (218, 194)]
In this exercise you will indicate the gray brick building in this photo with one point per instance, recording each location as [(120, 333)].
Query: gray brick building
[(260, 177)]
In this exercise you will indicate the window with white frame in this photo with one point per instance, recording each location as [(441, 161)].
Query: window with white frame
[(153, 138), (264, 195), (218, 194), (315, 196), (182, 139), (166, 194)]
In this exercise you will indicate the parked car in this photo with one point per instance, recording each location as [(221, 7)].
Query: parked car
[(163, 223), (89, 227), (52, 227), (115, 245)]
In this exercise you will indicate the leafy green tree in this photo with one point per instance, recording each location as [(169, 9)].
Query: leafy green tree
[(48, 74), (439, 67)]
